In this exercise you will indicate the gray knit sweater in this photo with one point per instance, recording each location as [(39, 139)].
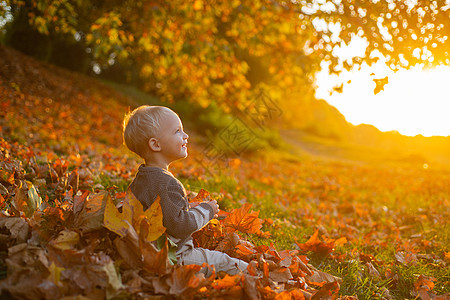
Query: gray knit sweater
[(179, 219)]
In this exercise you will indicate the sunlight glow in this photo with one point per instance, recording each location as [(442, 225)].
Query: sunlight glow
[(414, 101)]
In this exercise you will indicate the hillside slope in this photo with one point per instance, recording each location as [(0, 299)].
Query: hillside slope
[(41, 102)]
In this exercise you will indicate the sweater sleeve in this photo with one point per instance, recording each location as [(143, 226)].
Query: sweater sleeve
[(179, 220)]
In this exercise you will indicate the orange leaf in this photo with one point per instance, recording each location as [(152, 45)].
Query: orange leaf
[(329, 290), (244, 221), (314, 244), (424, 283), (226, 282), (202, 195), (292, 294), (244, 250)]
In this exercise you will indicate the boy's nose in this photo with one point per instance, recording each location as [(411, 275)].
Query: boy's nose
[(186, 135)]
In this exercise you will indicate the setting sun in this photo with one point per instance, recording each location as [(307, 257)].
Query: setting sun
[(412, 102)]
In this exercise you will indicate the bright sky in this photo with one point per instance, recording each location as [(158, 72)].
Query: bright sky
[(413, 102)]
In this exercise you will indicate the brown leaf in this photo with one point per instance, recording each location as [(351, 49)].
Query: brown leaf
[(185, 281), (250, 288), (154, 261), (90, 211), (321, 277), (27, 269), (372, 271), (280, 275), (17, 227), (128, 249)]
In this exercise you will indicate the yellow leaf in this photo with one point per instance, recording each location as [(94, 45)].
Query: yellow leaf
[(55, 274), (133, 214), (132, 209), (65, 240), (114, 220), (155, 217)]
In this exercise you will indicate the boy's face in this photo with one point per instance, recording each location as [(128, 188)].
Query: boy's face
[(172, 138)]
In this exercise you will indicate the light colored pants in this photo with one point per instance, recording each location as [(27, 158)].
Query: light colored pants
[(221, 261)]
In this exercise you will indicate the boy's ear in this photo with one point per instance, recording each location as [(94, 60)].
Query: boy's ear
[(154, 144)]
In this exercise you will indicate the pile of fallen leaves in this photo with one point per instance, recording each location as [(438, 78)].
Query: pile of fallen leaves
[(103, 245)]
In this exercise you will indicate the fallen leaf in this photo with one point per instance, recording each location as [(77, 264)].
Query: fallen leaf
[(314, 244), (113, 220), (90, 211), (17, 227), (424, 283), (328, 291), (280, 275), (65, 240)]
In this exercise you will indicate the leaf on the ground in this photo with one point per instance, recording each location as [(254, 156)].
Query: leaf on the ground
[(241, 219), (90, 211), (328, 291), (133, 211), (243, 251), (292, 294), (372, 271), (27, 268), (154, 216), (153, 260), (184, 280), (314, 244), (250, 286), (424, 283), (18, 228), (229, 286), (66, 239), (55, 274), (113, 278), (319, 277), (226, 282), (128, 248), (280, 275), (20, 201), (113, 220), (406, 258)]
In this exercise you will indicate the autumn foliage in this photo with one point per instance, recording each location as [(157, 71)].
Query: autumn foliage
[(68, 227)]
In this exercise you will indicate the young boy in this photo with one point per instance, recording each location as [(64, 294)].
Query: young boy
[(156, 134)]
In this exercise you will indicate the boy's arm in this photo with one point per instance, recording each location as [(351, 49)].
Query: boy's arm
[(177, 218)]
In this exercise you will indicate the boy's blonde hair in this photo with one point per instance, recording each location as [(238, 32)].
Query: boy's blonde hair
[(142, 124)]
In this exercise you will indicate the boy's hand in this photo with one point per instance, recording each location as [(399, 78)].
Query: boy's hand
[(215, 207)]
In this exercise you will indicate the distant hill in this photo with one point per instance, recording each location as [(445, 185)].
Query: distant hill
[(331, 136)]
